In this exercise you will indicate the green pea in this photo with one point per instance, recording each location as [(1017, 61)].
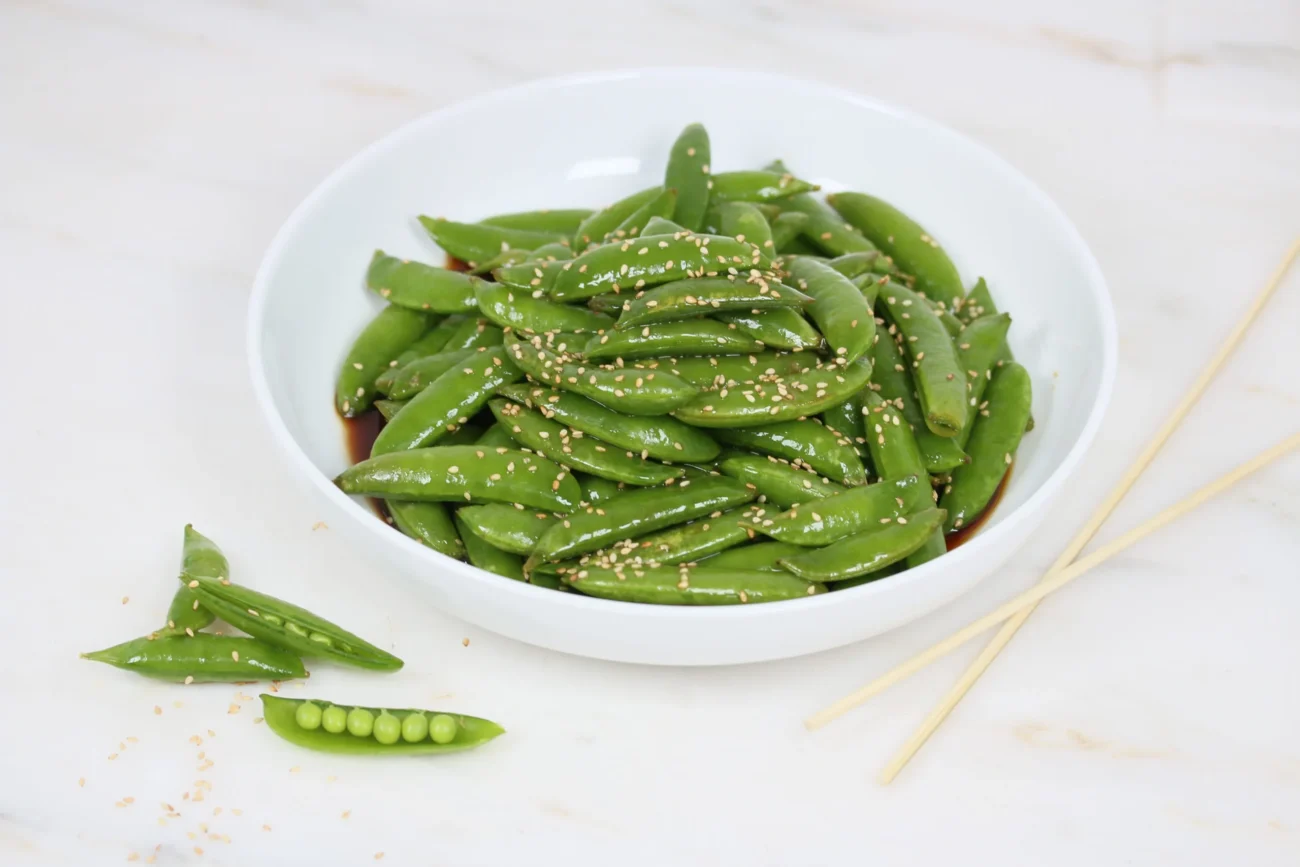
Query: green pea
[(361, 722), (387, 728), (307, 716), (442, 728), (296, 629), (320, 639), (415, 727), (334, 719), (271, 619)]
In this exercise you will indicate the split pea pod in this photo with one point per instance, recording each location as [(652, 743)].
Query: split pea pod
[(864, 553), (778, 399), (786, 227), (893, 378), (684, 337), (469, 473), (838, 308), (413, 378), (505, 526), (513, 308), (478, 242), (745, 222), (817, 523), (803, 443), (670, 585), (594, 228), (764, 556), (978, 350), (429, 524), (686, 299), (489, 557), (642, 262), (535, 431), (688, 173), (551, 221), (199, 556), (328, 728), (420, 287), (285, 625), (825, 229), (940, 381), (202, 658), (777, 481), (992, 446), (393, 330), (757, 186), (778, 327)]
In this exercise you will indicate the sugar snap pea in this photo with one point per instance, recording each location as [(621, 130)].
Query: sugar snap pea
[(779, 398), (688, 173), (389, 408), (992, 446), (496, 436), (477, 242), (594, 228), (757, 186), (825, 229), (805, 444), (978, 350), (551, 221), (866, 552), (685, 543), (661, 206), (649, 261), (200, 556), (489, 557), (778, 327), (730, 370), (473, 333), (845, 421), (896, 455), (787, 227), (778, 481), (763, 556), (597, 491), (448, 733), (686, 299), (419, 286), (940, 381), (660, 226), (671, 585), (505, 526), (817, 523), (744, 221), (556, 251), (413, 378), (432, 342), (838, 308), (893, 378), (202, 658), (427, 523), (683, 337), (532, 278), (500, 260), (393, 330), (470, 473), (513, 308), (868, 262)]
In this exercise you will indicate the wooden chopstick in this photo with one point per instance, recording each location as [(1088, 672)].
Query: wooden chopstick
[(1076, 545)]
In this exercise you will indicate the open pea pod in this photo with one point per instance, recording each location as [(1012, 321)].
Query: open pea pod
[(285, 717)]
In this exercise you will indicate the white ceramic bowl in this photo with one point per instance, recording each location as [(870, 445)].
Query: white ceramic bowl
[(585, 141)]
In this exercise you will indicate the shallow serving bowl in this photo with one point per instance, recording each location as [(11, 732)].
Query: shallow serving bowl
[(587, 140)]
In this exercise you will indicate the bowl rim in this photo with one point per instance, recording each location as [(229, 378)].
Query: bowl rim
[(986, 539)]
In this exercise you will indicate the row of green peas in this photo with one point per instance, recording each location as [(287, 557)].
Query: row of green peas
[(385, 728)]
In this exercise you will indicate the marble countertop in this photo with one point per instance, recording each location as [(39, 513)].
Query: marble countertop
[(1147, 714)]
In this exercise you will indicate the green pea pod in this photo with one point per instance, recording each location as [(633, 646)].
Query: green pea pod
[(506, 526), (513, 308), (690, 298), (413, 378), (661, 206), (826, 230), (864, 553), (203, 658), (501, 260), (496, 436), (745, 222), (476, 242), (686, 337), (893, 379), (597, 491), (980, 303), (688, 173), (636, 264), (909, 245), (660, 226), (778, 399), (427, 523), (757, 186), (637, 513), (896, 455), (978, 350), (684, 543), (856, 264), (763, 556), (201, 556), (556, 251), (420, 287), (470, 473), (780, 328), (1001, 423), (448, 402), (670, 585), (393, 330), (652, 393), (464, 435), (777, 481), (732, 370), (551, 221), (433, 342), (869, 285), (534, 431), (284, 717), (594, 228), (489, 557), (841, 313), (473, 333), (817, 523), (803, 443), (940, 381), (845, 421), (389, 408), (534, 279), (660, 437), (787, 227)]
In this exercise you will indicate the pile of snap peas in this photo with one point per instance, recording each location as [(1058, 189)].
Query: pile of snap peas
[(721, 389)]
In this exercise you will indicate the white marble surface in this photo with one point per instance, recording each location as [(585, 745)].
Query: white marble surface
[(1147, 715)]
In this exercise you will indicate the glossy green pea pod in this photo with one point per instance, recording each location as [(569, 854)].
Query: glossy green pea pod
[(389, 408), (533, 279), (803, 443), (869, 285), (893, 379), (910, 246), (786, 228), (489, 557), (660, 226), (845, 421), (980, 303), (660, 437), (448, 402), (550, 221), (496, 436), (1001, 423), (729, 370), (429, 524), (685, 337), (595, 227), (505, 526), (433, 342), (652, 393), (660, 206), (864, 553), (940, 381), (513, 308), (201, 556), (841, 313), (387, 335), (653, 260), (534, 431), (473, 333), (777, 481), (816, 523), (420, 287), (744, 221), (783, 399), (202, 658), (413, 378), (763, 556), (469, 473), (779, 328), (556, 251), (757, 186), (669, 585), (707, 296), (463, 435), (597, 491), (638, 513), (501, 260), (685, 543), (281, 715), (869, 262), (978, 350), (285, 625), (688, 173), (476, 242), (896, 455), (826, 230)]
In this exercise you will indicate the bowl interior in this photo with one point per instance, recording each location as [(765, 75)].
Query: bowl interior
[(588, 141)]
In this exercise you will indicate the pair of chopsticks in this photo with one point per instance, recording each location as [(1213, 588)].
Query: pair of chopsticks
[(1015, 612)]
